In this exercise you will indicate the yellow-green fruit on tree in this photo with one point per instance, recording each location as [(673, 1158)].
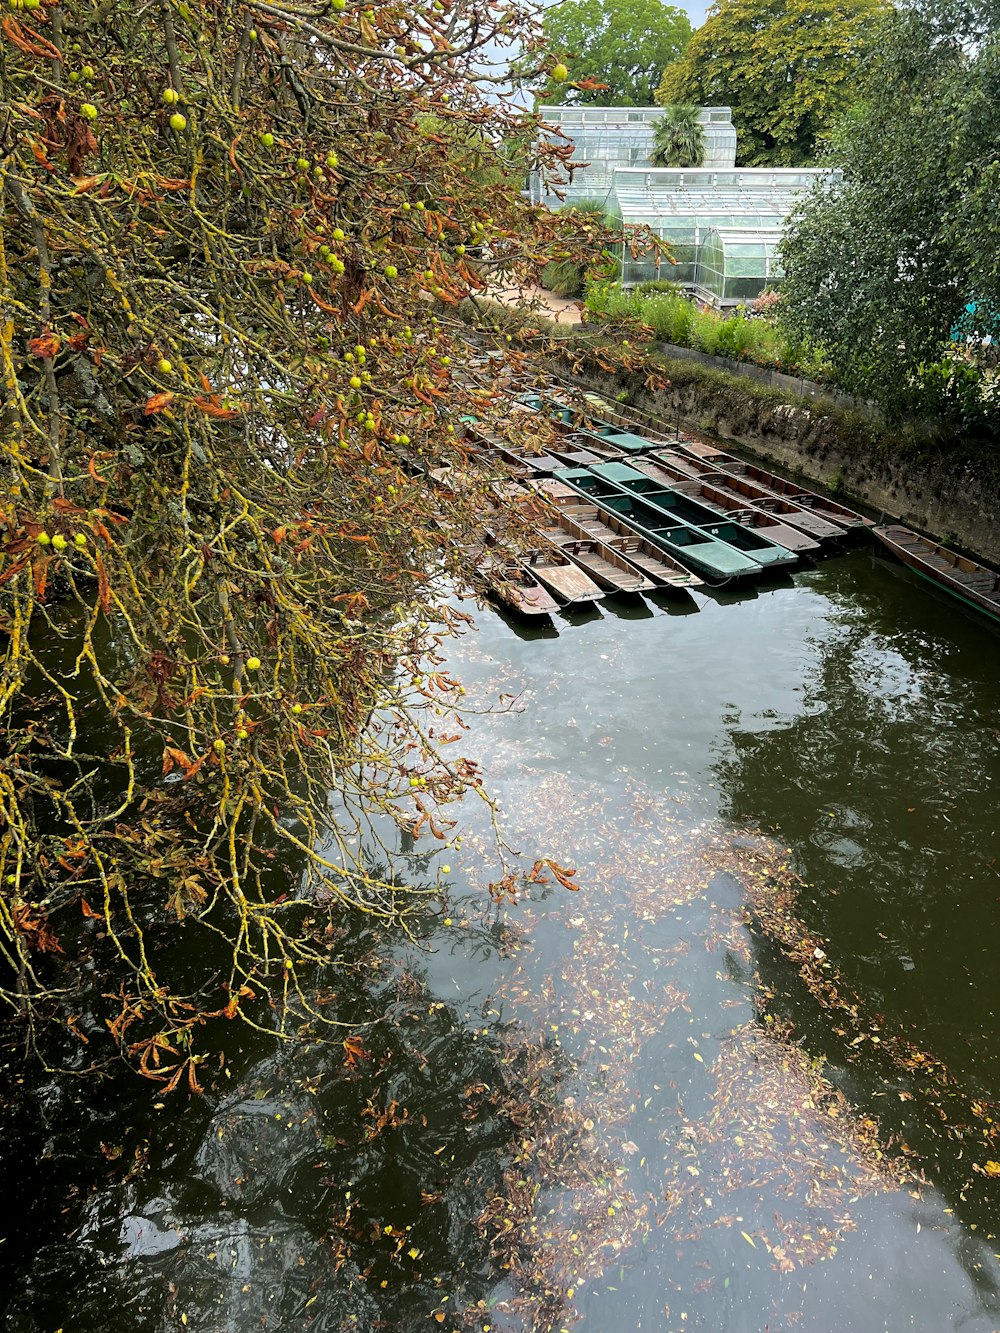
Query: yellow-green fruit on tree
[(559, 74)]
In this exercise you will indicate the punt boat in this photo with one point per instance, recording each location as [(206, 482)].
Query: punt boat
[(732, 507), (514, 585), (972, 583), (681, 468), (606, 566), (563, 577), (587, 521), (718, 460), (695, 548), (683, 509)]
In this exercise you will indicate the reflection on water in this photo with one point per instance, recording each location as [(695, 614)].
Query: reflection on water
[(635, 1106)]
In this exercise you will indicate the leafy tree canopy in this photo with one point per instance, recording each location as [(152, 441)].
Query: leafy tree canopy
[(621, 43), (788, 69), (880, 269), (234, 238)]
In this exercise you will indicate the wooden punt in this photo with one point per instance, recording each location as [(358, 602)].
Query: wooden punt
[(680, 508), (972, 583), (514, 585), (605, 565), (587, 521), (577, 457), (563, 577), (696, 548), (732, 507), (682, 468), (720, 461)]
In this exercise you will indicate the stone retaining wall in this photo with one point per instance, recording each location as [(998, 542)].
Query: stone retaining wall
[(939, 491)]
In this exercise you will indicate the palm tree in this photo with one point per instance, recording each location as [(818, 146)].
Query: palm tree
[(678, 138)]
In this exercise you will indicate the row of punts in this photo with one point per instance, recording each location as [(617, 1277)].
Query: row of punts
[(620, 505), (619, 511)]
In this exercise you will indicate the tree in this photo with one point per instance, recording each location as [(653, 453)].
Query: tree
[(678, 138), (880, 268), (623, 44), (788, 69), (232, 247)]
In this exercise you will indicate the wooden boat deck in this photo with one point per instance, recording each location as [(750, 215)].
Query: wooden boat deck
[(956, 573), (734, 507), (588, 521), (553, 568)]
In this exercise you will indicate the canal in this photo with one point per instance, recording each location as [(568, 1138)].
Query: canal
[(745, 1077)]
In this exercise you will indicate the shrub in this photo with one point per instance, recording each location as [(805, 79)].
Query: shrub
[(563, 277), (740, 337)]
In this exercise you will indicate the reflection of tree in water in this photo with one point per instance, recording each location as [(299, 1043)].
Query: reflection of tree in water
[(882, 783), (330, 1187)]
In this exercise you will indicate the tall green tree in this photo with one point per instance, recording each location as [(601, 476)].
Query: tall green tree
[(678, 138), (879, 269), (788, 68), (623, 44)]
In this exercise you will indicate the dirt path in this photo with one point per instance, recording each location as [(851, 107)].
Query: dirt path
[(558, 308)]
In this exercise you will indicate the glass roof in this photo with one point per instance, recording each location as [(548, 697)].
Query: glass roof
[(607, 138)]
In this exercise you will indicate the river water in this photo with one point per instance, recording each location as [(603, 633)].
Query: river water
[(746, 1077)]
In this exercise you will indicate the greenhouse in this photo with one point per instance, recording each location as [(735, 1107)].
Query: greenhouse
[(606, 138), (684, 207), (735, 265)]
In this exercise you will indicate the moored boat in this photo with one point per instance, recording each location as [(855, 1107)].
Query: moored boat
[(515, 586), (682, 468), (587, 521), (699, 550), (607, 567), (720, 461), (730, 506), (972, 583), (563, 577), (683, 509)]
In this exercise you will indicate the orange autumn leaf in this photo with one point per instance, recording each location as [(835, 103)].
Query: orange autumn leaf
[(158, 402), (213, 408), (40, 571), (354, 1050), (46, 345)]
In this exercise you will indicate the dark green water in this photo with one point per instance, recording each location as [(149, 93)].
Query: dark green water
[(596, 1074)]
